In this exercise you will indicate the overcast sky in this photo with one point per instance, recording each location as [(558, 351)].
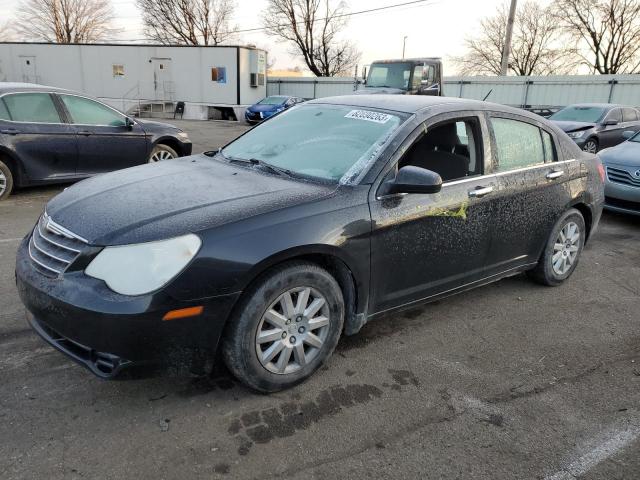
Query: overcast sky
[(435, 28)]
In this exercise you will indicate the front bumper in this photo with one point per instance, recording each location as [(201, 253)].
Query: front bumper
[(107, 332)]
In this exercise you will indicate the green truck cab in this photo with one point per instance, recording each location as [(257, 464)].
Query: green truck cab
[(410, 76)]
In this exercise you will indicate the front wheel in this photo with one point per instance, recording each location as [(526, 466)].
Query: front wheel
[(591, 146), (285, 327), (162, 152), (562, 251)]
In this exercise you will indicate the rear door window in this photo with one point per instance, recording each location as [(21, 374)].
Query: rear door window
[(32, 107), (519, 144)]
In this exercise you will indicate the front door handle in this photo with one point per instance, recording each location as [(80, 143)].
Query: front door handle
[(9, 131), (555, 174), (480, 192), (86, 133)]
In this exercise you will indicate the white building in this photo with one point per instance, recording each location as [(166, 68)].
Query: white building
[(214, 82)]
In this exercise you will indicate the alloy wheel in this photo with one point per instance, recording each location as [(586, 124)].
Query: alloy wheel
[(565, 250), (161, 155), (293, 330), (3, 183), (590, 147)]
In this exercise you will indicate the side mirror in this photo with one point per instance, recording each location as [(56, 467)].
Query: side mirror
[(610, 123), (412, 179), (628, 134), (129, 123)]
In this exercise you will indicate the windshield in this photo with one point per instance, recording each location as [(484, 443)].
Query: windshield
[(330, 142), (579, 114), (391, 75), (635, 138), (272, 101)]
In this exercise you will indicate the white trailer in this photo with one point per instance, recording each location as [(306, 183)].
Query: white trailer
[(214, 82)]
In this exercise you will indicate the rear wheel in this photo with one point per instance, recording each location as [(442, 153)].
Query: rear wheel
[(286, 327), (562, 251), (162, 152), (6, 180), (591, 146)]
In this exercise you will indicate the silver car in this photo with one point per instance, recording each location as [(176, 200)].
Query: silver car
[(622, 186)]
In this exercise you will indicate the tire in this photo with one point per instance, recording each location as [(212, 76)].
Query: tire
[(591, 145), (162, 152), (291, 346), (559, 254), (6, 180)]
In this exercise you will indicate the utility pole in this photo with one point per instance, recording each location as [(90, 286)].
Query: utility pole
[(404, 44), (507, 38)]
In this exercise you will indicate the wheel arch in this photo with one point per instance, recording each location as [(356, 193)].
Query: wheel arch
[(352, 285), (587, 214), (14, 165), (169, 142)]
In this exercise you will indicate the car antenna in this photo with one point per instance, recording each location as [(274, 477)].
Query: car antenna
[(487, 95)]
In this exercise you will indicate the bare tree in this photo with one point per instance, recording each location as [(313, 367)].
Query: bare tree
[(64, 21), (187, 22), (312, 27), (536, 47), (607, 32)]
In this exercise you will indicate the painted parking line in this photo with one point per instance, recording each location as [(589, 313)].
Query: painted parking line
[(10, 240), (609, 447)]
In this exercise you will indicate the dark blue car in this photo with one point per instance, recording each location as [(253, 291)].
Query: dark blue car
[(269, 106)]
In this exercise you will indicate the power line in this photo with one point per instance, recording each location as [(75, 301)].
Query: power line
[(342, 15)]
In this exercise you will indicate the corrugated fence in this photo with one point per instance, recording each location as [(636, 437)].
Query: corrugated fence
[(516, 91)]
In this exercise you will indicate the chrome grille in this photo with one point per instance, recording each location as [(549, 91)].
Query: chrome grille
[(618, 175), (53, 248)]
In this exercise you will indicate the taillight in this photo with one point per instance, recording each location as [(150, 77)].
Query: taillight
[(601, 171)]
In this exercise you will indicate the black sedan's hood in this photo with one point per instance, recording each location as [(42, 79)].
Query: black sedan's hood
[(171, 198), (573, 126)]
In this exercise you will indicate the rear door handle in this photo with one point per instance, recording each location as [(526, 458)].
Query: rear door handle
[(480, 192), (555, 174), (86, 133), (9, 131)]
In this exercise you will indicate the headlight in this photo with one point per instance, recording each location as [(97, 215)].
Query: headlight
[(143, 267), (183, 135), (576, 134)]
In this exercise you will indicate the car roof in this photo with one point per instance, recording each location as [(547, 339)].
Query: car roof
[(414, 103), (15, 87)]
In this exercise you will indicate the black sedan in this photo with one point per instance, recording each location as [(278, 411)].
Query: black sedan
[(329, 215), (594, 126), (50, 135)]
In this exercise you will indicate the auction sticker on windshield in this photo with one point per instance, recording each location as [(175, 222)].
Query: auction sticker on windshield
[(369, 116)]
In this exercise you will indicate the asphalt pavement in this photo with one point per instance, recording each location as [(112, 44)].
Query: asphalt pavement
[(508, 381)]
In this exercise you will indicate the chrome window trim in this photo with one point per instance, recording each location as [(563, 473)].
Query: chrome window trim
[(488, 176), (533, 167)]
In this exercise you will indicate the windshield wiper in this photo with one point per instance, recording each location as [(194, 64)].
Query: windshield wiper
[(265, 165), (272, 168)]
